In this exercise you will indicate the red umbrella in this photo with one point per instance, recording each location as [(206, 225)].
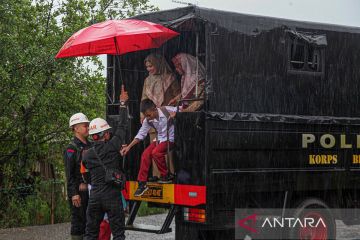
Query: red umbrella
[(116, 37)]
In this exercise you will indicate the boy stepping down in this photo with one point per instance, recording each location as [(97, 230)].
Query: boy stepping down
[(160, 119)]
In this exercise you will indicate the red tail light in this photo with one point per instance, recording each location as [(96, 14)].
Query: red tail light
[(194, 215)]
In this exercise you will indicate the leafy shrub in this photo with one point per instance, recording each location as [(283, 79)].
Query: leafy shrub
[(18, 210), (146, 210)]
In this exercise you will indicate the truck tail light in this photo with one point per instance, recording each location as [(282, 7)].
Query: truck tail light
[(194, 215)]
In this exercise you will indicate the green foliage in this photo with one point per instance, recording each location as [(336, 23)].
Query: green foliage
[(14, 214), (145, 210), (62, 210), (37, 92), (31, 205)]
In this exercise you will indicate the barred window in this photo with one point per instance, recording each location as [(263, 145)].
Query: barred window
[(306, 53)]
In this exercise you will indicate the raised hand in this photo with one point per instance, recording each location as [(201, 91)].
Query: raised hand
[(124, 97)]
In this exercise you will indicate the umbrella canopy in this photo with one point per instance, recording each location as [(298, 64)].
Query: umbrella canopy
[(115, 37)]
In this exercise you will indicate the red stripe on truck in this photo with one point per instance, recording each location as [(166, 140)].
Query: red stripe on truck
[(178, 194), (189, 195)]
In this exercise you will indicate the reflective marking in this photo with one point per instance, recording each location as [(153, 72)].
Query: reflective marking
[(193, 194)]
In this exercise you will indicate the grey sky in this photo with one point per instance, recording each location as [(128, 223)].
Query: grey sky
[(342, 12)]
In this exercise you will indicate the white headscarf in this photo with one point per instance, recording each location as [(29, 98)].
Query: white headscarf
[(190, 76)]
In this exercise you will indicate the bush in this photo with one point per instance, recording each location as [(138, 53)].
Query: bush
[(34, 208), (62, 210), (145, 210), (25, 212), (14, 214)]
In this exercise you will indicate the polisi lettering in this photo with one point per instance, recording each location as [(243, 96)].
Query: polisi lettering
[(329, 141)]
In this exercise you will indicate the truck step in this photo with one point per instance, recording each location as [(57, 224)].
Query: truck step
[(147, 228), (165, 228)]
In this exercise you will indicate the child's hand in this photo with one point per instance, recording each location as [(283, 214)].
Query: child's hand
[(122, 147), (124, 151)]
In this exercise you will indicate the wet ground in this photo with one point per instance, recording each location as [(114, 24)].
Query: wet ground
[(347, 232), (61, 231)]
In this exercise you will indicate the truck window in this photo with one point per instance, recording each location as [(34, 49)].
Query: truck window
[(314, 57), (305, 55), (297, 55)]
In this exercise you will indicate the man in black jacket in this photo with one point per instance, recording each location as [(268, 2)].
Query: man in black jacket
[(76, 186), (104, 197)]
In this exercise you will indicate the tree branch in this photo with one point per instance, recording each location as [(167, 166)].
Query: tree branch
[(48, 18)]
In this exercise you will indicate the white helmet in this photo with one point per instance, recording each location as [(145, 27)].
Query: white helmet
[(78, 118), (98, 125)]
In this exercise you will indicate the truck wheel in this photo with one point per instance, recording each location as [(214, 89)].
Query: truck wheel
[(314, 209)]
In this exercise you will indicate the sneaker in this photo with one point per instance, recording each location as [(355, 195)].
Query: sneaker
[(142, 188), (153, 179), (165, 179)]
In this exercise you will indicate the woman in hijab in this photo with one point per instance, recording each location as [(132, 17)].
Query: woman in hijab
[(192, 73), (161, 85)]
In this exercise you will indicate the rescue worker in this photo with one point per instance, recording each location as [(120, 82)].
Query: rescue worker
[(76, 185), (105, 232), (104, 197)]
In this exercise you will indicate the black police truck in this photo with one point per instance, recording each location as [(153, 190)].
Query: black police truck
[(280, 127)]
